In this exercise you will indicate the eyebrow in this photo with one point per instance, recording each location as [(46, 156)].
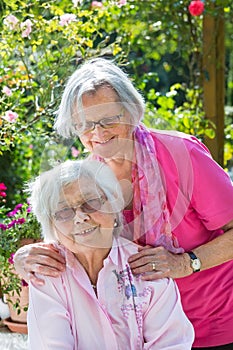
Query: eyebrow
[(88, 194)]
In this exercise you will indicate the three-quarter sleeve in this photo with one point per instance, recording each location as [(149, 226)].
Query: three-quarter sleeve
[(165, 324)]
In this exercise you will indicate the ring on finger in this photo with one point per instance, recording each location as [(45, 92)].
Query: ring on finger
[(153, 266)]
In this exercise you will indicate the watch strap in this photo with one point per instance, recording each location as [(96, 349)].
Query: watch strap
[(193, 257)]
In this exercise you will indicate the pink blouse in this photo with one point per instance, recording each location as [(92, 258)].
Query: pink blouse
[(127, 314)]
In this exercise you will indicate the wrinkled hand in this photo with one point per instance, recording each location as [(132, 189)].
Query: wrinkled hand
[(157, 262), (42, 258)]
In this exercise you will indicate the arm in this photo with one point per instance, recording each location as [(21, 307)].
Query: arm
[(49, 325), (165, 323), (213, 253), (210, 195), (40, 258)]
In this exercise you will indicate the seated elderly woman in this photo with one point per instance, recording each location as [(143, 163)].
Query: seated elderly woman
[(96, 303)]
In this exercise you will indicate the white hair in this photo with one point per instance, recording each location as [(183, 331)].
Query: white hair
[(88, 78), (45, 191)]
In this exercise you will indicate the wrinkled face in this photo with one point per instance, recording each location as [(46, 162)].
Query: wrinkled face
[(104, 106), (83, 217)]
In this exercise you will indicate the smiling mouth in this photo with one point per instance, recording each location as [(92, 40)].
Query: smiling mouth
[(85, 232), (103, 142)]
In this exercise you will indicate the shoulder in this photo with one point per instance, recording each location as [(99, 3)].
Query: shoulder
[(176, 140), (125, 246)]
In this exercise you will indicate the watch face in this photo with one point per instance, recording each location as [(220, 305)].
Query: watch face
[(196, 264)]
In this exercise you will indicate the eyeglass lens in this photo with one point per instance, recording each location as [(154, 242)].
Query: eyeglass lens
[(88, 207), (109, 122)]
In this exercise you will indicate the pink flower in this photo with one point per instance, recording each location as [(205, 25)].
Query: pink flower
[(7, 91), (20, 221), (196, 7), (11, 259), (66, 19), (11, 21), (2, 186), (11, 213), (2, 189), (10, 116), (75, 152), (96, 4), (3, 227), (121, 3), (11, 224), (27, 28)]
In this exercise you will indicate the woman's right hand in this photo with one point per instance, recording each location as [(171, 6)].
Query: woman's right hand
[(41, 258)]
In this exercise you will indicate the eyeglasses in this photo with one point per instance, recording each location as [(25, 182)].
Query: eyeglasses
[(88, 207), (105, 123)]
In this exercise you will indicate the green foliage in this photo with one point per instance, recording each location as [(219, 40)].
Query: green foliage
[(17, 227)]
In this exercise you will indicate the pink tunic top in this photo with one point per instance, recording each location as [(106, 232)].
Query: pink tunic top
[(128, 313), (200, 201)]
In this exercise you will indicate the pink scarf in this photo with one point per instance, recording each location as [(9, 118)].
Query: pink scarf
[(151, 219), (151, 216)]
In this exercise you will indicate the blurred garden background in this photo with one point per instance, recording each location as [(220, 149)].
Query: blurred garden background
[(182, 62)]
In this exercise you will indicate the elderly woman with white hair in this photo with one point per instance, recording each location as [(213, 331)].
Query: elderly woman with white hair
[(96, 303)]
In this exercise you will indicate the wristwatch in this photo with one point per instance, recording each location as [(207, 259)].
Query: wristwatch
[(195, 262)]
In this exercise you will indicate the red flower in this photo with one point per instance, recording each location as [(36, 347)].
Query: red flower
[(2, 186), (2, 189), (11, 259), (196, 7)]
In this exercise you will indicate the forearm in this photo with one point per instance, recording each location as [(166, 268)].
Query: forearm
[(217, 251), (167, 264), (42, 258)]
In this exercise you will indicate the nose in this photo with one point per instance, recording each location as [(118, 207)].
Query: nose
[(80, 217), (98, 130)]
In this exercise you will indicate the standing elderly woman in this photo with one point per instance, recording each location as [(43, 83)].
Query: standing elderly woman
[(97, 303), (178, 201)]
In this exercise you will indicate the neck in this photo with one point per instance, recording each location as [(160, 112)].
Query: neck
[(92, 260)]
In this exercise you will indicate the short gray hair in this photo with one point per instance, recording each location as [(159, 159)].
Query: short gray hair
[(46, 190), (87, 79)]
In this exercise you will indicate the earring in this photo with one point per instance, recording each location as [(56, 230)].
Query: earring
[(115, 223)]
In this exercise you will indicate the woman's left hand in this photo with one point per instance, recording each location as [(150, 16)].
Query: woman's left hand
[(157, 262)]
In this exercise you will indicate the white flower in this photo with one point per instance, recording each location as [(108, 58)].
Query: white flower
[(66, 19), (77, 2), (11, 21), (7, 91), (27, 28), (10, 116)]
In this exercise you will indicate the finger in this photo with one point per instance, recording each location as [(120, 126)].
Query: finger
[(146, 268), (143, 248), (142, 261), (50, 251), (43, 265), (155, 275), (147, 251), (35, 280), (141, 254)]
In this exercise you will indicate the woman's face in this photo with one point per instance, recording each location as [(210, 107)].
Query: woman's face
[(90, 224), (109, 142)]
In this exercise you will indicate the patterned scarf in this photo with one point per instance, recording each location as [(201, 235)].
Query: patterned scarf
[(151, 216), (151, 223)]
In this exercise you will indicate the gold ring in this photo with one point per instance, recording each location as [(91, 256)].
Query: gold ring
[(153, 266)]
